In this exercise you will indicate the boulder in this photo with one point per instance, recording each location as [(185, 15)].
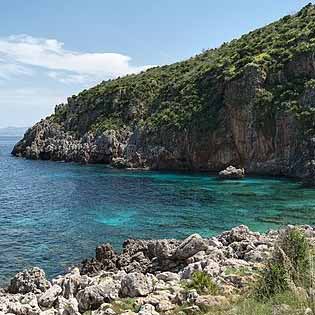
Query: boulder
[(308, 311), (237, 234), (189, 247), (105, 259), (105, 253), (148, 309), (105, 309), (168, 276), (67, 306), (281, 309), (50, 296), (32, 280), (188, 271), (232, 172), (71, 283), (27, 305), (136, 285), (92, 297), (120, 163)]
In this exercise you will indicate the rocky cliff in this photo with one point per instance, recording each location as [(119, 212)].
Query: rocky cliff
[(249, 103)]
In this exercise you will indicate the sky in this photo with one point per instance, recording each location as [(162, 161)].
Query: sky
[(50, 50)]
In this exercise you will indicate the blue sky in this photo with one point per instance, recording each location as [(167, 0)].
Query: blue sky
[(52, 49)]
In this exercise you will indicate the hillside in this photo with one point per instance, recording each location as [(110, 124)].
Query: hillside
[(249, 103)]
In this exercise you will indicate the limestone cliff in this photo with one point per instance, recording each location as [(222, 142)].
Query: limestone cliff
[(249, 103)]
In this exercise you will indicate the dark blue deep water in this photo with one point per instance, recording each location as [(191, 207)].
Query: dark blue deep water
[(54, 214)]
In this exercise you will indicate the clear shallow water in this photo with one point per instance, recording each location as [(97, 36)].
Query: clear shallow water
[(54, 214)]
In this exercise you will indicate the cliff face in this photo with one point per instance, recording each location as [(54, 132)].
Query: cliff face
[(249, 103)]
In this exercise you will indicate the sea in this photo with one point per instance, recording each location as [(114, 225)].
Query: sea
[(54, 214)]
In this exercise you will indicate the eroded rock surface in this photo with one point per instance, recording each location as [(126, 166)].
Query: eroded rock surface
[(147, 277), (232, 172), (253, 108)]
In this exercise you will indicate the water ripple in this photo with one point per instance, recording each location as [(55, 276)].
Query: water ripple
[(55, 214)]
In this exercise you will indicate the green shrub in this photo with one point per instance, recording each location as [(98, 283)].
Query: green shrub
[(249, 306), (127, 304), (295, 248), (289, 267), (273, 280), (111, 123), (190, 94), (202, 283)]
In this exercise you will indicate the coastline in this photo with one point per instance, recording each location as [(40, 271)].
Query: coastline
[(209, 172), (150, 272)]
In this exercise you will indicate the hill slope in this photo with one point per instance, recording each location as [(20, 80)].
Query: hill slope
[(248, 103)]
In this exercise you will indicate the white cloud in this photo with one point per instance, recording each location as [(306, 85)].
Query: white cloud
[(24, 106), (11, 69), (64, 77), (18, 54)]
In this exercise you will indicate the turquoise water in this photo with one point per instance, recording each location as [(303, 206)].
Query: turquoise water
[(55, 214)]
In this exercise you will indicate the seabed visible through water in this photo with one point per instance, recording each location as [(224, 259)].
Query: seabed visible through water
[(54, 214)]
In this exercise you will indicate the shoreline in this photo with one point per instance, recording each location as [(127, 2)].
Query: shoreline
[(151, 272), (211, 173)]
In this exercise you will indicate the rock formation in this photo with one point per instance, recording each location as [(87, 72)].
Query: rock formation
[(148, 277), (249, 102), (232, 172)]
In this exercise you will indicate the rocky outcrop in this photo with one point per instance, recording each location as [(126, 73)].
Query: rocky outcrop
[(136, 284), (252, 109), (232, 172), (29, 281), (157, 285)]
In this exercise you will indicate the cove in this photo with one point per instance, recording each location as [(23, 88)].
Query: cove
[(53, 214)]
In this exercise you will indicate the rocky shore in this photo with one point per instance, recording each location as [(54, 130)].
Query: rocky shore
[(149, 277)]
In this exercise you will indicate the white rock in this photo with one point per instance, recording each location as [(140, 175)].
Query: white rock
[(148, 309), (232, 172), (71, 283), (67, 306), (136, 284), (32, 280), (189, 247), (94, 296), (168, 276), (50, 296), (49, 312)]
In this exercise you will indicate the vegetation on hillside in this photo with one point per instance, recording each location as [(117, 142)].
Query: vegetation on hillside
[(178, 96)]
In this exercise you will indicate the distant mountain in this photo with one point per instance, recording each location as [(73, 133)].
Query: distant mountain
[(13, 131)]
